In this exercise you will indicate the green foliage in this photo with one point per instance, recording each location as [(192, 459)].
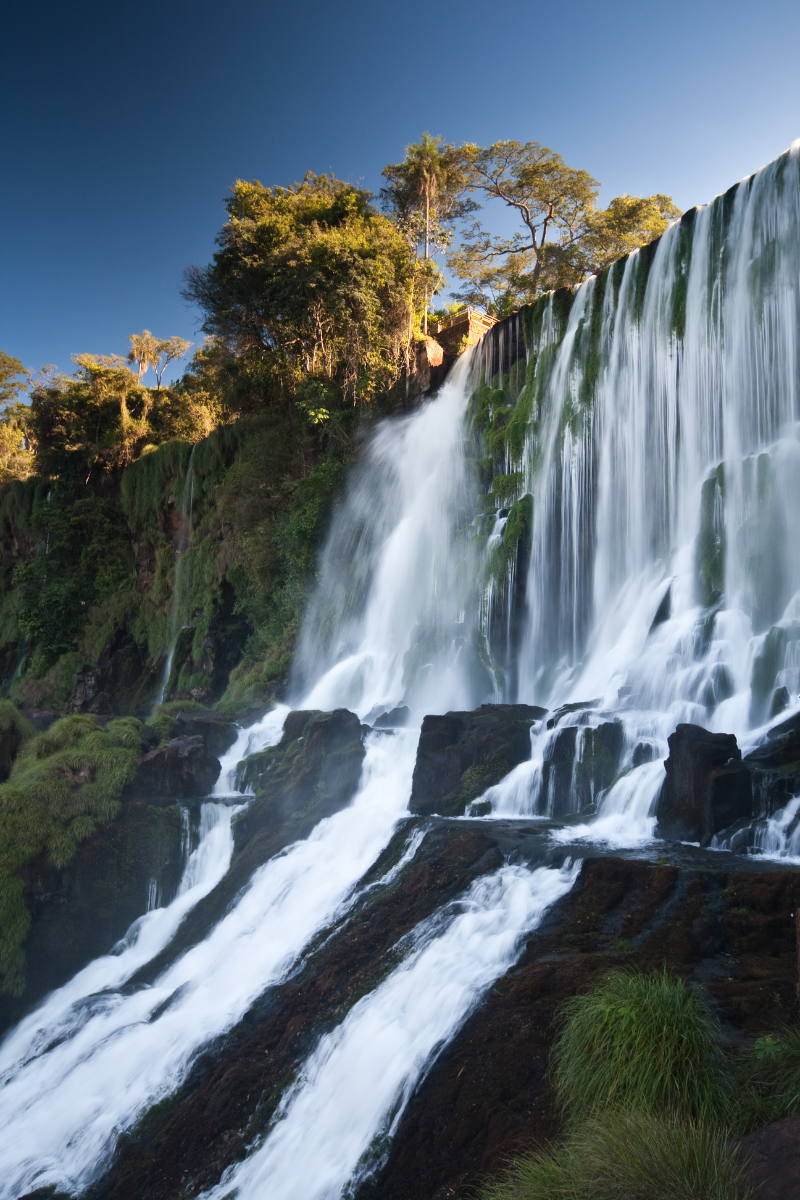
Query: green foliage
[(83, 557), (13, 378), (309, 282), (632, 1155), (643, 1042), (62, 783), (566, 235)]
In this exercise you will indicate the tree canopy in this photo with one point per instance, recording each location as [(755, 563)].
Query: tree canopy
[(310, 283), (565, 236)]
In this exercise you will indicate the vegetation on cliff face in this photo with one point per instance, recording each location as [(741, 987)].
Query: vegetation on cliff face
[(63, 782)]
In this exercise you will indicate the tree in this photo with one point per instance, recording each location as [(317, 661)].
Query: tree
[(425, 193), (309, 281), (566, 236), (149, 351), (10, 385)]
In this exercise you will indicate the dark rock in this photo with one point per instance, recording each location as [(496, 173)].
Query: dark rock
[(183, 768), (81, 910), (780, 701), (707, 787), (559, 759), (315, 767), (395, 719), (774, 1153), (10, 741), (565, 709), (664, 609), (217, 733), (644, 752), (41, 718), (460, 754), (598, 761), (775, 766)]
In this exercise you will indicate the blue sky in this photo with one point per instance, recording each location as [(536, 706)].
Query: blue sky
[(124, 125)]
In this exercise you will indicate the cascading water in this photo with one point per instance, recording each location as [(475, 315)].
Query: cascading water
[(596, 514)]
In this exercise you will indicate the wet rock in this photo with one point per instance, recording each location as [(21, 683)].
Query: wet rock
[(81, 910), (775, 766), (559, 758), (780, 701), (644, 752), (565, 709), (598, 761), (775, 1159), (460, 754), (315, 768), (217, 733), (182, 768), (707, 787), (396, 719)]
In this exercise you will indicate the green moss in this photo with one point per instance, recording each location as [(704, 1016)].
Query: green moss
[(710, 545), (62, 783), (683, 259)]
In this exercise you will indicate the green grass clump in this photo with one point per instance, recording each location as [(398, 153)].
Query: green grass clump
[(634, 1156), (644, 1042), (62, 783)]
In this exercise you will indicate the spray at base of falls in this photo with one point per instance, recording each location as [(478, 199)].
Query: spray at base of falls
[(354, 1088), (63, 1112)]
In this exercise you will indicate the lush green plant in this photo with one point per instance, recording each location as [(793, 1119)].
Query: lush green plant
[(62, 783), (644, 1042), (634, 1156), (767, 1079)]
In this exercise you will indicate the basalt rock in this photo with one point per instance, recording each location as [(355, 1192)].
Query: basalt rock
[(182, 768), (218, 734), (80, 910), (598, 761), (556, 794), (775, 766), (460, 754), (315, 768), (707, 786)]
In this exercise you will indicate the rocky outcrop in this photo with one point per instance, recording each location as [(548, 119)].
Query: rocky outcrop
[(80, 910), (218, 734), (774, 1154), (775, 766), (314, 769), (461, 754), (707, 786), (182, 768)]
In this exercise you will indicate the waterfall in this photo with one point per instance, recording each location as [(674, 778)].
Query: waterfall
[(352, 1092), (599, 513)]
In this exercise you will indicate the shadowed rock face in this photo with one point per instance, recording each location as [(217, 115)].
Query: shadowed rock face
[(183, 768), (460, 754), (775, 1159), (707, 787), (775, 766)]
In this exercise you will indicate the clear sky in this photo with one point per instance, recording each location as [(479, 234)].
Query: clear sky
[(124, 124)]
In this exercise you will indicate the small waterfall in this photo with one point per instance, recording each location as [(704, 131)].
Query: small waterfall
[(334, 1124), (181, 576)]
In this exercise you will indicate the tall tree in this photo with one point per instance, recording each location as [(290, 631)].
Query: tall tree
[(426, 193), (11, 385), (565, 236), (149, 351), (309, 282)]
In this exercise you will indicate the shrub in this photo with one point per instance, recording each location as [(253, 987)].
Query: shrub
[(643, 1042), (767, 1079)]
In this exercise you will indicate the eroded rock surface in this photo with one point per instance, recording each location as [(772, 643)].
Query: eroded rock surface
[(460, 754), (707, 787)]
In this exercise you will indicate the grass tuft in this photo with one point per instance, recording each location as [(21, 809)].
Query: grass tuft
[(634, 1156), (644, 1042)]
